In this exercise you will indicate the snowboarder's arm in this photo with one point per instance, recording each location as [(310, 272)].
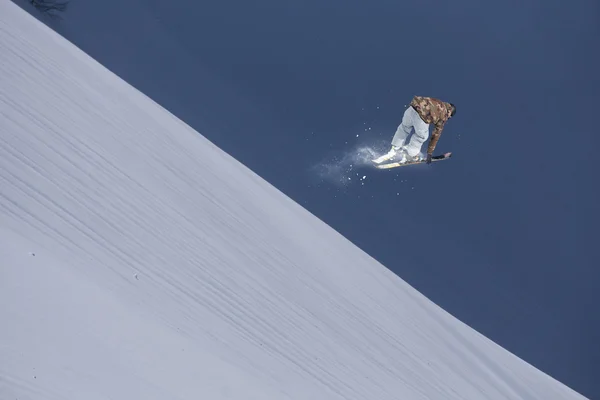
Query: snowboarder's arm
[(435, 136)]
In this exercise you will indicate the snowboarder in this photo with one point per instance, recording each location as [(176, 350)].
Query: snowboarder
[(421, 112)]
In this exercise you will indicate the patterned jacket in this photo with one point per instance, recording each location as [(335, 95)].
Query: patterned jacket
[(432, 111)]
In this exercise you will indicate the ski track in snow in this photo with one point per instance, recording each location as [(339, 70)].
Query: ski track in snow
[(139, 261)]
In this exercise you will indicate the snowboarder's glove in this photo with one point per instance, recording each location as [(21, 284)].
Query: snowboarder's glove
[(428, 158)]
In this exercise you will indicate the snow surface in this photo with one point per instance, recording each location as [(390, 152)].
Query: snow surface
[(139, 261)]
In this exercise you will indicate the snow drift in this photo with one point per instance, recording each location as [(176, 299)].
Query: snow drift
[(139, 261)]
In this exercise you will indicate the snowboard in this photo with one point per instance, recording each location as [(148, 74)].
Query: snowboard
[(396, 164)]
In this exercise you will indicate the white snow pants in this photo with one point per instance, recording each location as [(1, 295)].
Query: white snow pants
[(411, 119)]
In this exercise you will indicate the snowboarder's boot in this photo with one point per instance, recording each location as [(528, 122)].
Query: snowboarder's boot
[(389, 155), (405, 158)]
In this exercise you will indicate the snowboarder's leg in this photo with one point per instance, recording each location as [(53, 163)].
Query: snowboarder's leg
[(410, 120), (399, 138), (404, 129), (420, 136)]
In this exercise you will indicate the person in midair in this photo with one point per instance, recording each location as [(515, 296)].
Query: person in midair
[(421, 112)]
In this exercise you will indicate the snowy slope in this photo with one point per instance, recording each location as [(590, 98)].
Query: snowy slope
[(139, 261)]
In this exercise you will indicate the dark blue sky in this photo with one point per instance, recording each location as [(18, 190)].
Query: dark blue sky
[(503, 235)]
